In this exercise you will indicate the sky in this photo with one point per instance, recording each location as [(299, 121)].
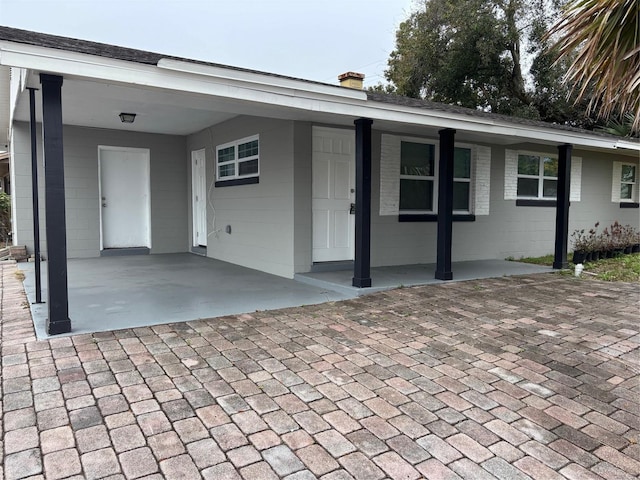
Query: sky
[(315, 40)]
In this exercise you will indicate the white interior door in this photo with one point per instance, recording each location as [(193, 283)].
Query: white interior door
[(198, 197), (333, 192), (125, 198)]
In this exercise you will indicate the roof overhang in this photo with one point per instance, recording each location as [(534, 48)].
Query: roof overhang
[(181, 97)]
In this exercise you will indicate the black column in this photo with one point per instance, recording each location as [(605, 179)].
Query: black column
[(562, 206), (445, 204), (362, 263), (34, 193), (58, 302)]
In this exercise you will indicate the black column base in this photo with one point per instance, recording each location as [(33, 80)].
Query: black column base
[(58, 327), (560, 265), (361, 282), (444, 275)]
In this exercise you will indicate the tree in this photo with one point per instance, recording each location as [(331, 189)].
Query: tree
[(473, 53), (606, 68)]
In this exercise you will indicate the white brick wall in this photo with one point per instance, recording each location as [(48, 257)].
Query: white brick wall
[(510, 174), (575, 186), (390, 175), (482, 180)]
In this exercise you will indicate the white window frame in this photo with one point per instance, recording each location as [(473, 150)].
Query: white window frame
[(466, 180), (633, 183), (541, 177), (433, 178), (237, 161)]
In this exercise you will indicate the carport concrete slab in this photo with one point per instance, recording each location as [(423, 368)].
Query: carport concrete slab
[(386, 278), (112, 293)]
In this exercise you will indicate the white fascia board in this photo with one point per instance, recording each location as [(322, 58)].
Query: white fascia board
[(286, 93)]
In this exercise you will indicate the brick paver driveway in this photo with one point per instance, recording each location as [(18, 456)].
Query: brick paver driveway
[(509, 378)]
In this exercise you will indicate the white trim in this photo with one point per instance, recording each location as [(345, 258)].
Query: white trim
[(541, 177), (634, 183), (236, 160), (196, 170), (295, 94)]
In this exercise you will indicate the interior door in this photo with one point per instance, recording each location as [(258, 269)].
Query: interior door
[(124, 197), (198, 197), (333, 192)]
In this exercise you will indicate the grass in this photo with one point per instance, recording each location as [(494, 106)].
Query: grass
[(625, 268)]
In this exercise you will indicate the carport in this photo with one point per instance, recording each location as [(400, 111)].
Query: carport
[(123, 292)]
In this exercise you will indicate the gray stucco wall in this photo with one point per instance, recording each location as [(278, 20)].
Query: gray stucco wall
[(509, 230), (168, 188), (260, 215)]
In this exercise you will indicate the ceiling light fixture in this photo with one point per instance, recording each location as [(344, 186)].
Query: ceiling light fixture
[(127, 117)]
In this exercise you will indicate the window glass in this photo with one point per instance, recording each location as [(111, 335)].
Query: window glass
[(626, 191), (528, 165), (550, 167), (628, 173), (227, 170), (226, 154), (527, 187), (416, 194), (550, 188), (239, 159), (544, 169), (461, 196), (247, 168), (417, 159), (462, 163), (248, 149)]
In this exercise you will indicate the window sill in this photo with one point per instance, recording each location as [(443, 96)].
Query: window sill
[(421, 217), (237, 181), (629, 205), (523, 202)]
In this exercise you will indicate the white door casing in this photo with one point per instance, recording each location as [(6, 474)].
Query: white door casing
[(125, 200), (333, 191), (199, 197)]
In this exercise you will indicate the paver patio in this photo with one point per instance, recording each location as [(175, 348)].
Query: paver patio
[(509, 378)]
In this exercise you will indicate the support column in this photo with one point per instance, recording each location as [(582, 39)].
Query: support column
[(58, 301), (362, 263), (34, 193), (445, 204), (562, 206)]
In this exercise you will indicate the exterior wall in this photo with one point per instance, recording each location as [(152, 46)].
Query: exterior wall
[(261, 216), (508, 230), (168, 188)]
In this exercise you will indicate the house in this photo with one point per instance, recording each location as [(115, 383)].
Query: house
[(147, 153)]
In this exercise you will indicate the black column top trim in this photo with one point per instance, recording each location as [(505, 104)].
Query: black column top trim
[(629, 205)]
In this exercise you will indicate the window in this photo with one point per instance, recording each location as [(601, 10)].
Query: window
[(238, 160), (461, 180), (418, 178), (627, 183), (537, 176)]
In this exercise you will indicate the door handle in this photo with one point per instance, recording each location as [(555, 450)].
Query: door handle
[(352, 209)]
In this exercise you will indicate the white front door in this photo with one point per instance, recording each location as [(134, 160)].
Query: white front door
[(198, 197), (125, 211), (333, 192)]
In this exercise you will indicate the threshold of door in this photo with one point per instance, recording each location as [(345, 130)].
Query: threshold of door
[(332, 266), (199, 250), (119, 252)]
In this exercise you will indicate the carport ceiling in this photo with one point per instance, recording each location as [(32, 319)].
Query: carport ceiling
[(97, 104)]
